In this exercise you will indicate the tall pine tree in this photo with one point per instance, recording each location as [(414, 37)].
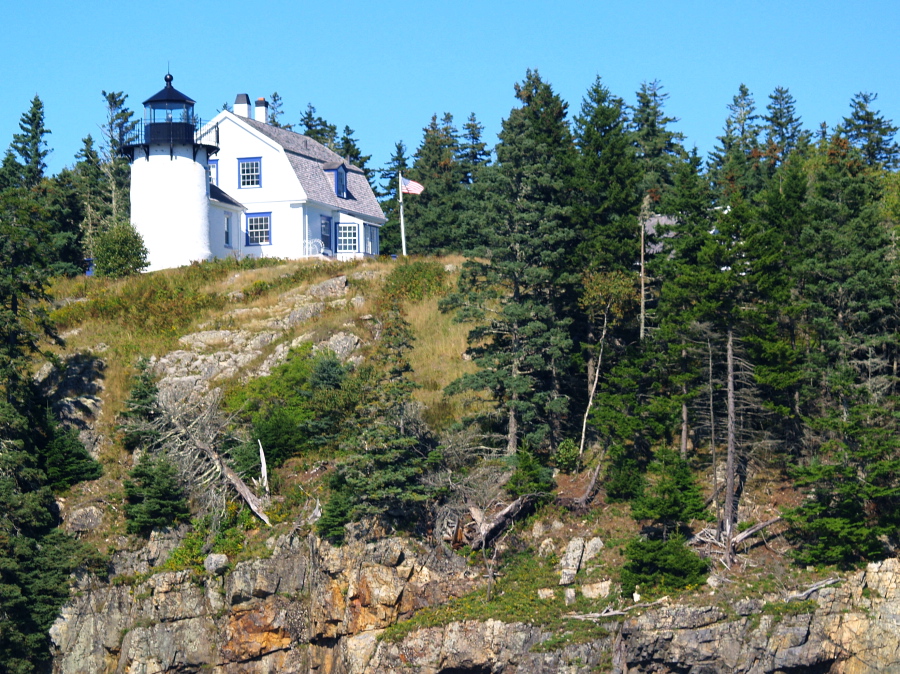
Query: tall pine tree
[(515, 289)]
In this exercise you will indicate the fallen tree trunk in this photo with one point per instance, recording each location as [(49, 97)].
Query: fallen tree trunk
[(226, 471), (487, 531), (588, 494), (744, 535)]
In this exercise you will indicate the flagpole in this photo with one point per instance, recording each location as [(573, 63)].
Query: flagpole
[(402, 226)]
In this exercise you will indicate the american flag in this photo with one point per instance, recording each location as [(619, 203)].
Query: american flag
[(411, 187)]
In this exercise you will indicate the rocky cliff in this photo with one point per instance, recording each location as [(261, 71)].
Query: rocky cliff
[(305, 606), (311, 607)]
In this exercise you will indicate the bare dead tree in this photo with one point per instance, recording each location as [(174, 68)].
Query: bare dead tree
[(188, 433)]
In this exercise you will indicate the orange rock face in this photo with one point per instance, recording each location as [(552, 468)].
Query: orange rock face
[(250, 634)]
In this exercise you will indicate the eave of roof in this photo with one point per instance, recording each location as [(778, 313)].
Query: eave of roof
[(216, 193), (310, 160)]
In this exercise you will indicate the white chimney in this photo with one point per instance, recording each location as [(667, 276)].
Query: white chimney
[(262, 110), (242, 105)]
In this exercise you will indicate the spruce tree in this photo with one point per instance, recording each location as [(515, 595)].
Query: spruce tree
[(514, 292), (473, 153), (349, 149), (155, 498), (390, 204), (659, 150), (845, 275), (60, 198), (118, 128), (276, 113), (30, 145), (870, 133), (433, 221), (318, 129), (605, 184), (783, 128), (380, 476), (35, 558), (734, 164), (93, 192)]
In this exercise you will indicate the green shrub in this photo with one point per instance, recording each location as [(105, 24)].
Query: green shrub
[(413, 282), (336, 513), (154, 496), (566, 457), (119, 251), (663, 564), (529, 477), (140, 409), (624, 478), (65, 460), (673, 496)]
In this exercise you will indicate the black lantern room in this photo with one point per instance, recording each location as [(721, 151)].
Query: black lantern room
[(169, 116), (169, 119)]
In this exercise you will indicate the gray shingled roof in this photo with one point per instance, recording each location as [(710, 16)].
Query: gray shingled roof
[(218, 194), (310, 159)]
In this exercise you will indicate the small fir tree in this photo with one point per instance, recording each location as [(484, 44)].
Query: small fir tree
[(154, 496)]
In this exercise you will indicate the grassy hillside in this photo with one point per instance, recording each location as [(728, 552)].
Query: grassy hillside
[(146, 316)]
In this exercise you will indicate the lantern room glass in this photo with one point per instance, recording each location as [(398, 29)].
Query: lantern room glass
[(168, 111)]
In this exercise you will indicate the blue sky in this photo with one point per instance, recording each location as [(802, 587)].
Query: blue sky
[(385, 68)]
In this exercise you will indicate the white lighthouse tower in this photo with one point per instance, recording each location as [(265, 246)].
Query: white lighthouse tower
[(169, 179)]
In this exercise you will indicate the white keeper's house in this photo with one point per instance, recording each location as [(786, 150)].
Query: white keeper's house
[(237, 186)]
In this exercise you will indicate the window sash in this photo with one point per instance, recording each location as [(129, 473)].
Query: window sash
[(250, 173), (258, 230), (347, 238)]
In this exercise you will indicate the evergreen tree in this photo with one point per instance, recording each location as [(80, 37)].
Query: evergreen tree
[(380, 476), (853, 491), (473, 153), (845, 278), (513, 293), (318, 129), (606, 184), (870, 133), (783, 129), (276, 113), (673, 497), (118, 128), (433, 222), (141, 409), (774, 319), (154, 496), (64, 459), (63, 206), (93, 193), (351, 152), (734, 164), (390, 204), (10, 171), (35, 558), (30, 145), (659, 149), (24, 273)]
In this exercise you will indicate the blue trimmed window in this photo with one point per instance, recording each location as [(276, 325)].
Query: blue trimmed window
[(340, 182), (228, 230), (214, 172), (326, 233), (259, 229), (249, 172), (370, 238), (348, 233)]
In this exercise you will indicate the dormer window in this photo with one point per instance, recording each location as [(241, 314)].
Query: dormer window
[(337, 171), (340, 182)]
